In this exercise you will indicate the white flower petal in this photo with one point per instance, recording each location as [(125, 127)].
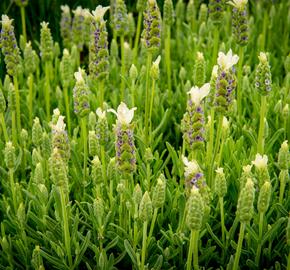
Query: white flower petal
[(99, 12), (100, 113), (198, 94)]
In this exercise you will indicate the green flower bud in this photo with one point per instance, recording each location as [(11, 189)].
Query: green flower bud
[(137, 194), (120, 18), (245, 175), (283, 156), (66, 69), (155, 69), (2, 102), (190, 11), (9, 46), (92, 121), (87, 26), (9, 155), (36, 260), (58, 170), (263, 79), (65, 26), (36, 157), (220, 183), (158, 196), (102, 129), (36, 132), (264, 197), (216, 9), (199, 70), (240, 22), (38, 174), (56, 50), (180, 11), (132, 26), (182, 74), (114, 51), (195, 207), (260, 164), (133, 73), (11, 98), (203, 11), (145, 208), (21, 214), (168, 13), (245, 206), (74, 55), (98, 50), (46, 43), (93, 143), (46, 145), (77, 29), (128, 55), (141, 5), (31, 60), (112, 169), (285, 111), (81, 95), (23, 136), (151, 34), (96, 172)]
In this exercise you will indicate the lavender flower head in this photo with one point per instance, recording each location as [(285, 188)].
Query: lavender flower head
[(125, 147), (9, 46), (65, 26)]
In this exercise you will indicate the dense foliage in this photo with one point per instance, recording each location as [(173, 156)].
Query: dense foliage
[(147, 135)]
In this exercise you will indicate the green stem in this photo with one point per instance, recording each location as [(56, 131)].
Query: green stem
[(151, 109), (215, 45), (221, 202), (17, 99), (153, 221), (239, 247), (259, 249), (209, 152), (167, 56), (137, 37), (149, 59), (219, 158), (30, 98), (133, 93), (64, 199), (260, 146), (3, 125), (14, 129), (102, 93), (193, 251), (47, 90), (22, 11), (144, 245), (123, 68), (12, 187), (104, 165), (67, 109), (239, 88), (85, 145), (282, 185)]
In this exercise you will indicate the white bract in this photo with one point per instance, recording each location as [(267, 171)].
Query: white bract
[(219, 170), (191, 167), (198, 94), (100, 113), (123, 113), (225, 124), (226, 61), (263, 57), (214, 72), (65, 9), (260, 161), (79, 75), (239, 4), (60, 125), (247, 169), (99, 12), (285, 145), (6, 21)]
